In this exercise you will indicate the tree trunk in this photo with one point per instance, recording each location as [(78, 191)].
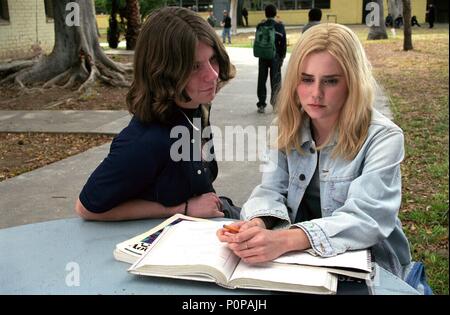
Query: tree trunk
[(233, 15), (407, 40), (133, 23), (239, 16), (378, 30), (76, 57), (113, 33), (395, 7)]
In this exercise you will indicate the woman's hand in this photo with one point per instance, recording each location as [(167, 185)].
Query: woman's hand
[(226, 236), (255, 244), (205, 206)]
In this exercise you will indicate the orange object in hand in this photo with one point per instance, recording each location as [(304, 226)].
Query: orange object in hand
[(231, 228)]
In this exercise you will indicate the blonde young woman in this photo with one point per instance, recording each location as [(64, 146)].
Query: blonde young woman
[(179, 66), (336, 184)]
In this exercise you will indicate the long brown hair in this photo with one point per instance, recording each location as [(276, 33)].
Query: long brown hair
[(164, 59), (355, 116)]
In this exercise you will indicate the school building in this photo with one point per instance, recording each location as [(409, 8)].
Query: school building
[(24, 26), (28, 24), (295, 12)]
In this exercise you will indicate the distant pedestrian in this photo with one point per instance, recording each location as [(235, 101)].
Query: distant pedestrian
[(389, 22), (212, 19), (226, 24), (314, 17), (414, 21), (398, 22), (272, 64), (431, 15), (245, 16)]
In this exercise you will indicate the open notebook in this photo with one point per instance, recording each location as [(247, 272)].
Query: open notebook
[(190, 250)]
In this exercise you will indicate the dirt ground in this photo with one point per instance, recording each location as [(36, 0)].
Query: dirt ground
[(23, 152), (100, 97)]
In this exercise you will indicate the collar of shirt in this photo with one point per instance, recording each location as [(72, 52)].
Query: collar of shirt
[(306, 138)]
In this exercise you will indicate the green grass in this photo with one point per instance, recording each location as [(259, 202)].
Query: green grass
[(417, 82)]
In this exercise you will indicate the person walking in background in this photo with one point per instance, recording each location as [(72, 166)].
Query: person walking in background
[(274, 64), (245, 16), (389, 22), (314, 17), (431, 15), (226, 24), (211, 19), (398, 22), (414, 21)]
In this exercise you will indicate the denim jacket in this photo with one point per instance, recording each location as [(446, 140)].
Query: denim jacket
[(360, 198)]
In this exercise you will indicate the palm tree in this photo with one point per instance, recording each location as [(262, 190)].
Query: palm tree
[(133, 23), (378, 30), (113, 32)]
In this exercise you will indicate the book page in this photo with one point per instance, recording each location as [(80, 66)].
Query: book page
[(138, 245), (284, 277), (358, 259), (189, 244)]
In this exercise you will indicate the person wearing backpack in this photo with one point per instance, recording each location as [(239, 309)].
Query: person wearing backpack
[(270, 48)]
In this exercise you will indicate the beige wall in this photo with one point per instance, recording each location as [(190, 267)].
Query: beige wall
[(27, 26), (345, 12)]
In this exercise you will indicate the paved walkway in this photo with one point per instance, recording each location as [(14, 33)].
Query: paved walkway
[(50, 192)]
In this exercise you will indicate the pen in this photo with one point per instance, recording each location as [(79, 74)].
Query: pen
[(231, 228)]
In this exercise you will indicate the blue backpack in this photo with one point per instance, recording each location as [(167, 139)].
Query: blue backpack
[(264, 46)]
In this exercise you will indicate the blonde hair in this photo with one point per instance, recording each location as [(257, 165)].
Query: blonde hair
[(354, 119), (164, 58)]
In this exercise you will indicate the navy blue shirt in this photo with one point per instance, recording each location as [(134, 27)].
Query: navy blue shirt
[(139, 166)]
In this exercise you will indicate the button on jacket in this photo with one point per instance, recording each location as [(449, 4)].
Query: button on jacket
[(360, 198)]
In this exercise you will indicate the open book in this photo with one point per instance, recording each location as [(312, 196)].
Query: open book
[(191, 250), (131, 250)]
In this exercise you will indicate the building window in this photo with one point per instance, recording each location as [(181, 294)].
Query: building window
[(322, 4), (305, 4), (291, 4), (299, 4), (287, 5), (49, 10), (194, 5), (4, 12)]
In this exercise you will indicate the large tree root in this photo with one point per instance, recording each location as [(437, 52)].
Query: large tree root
[(76, 62), (89, 68)]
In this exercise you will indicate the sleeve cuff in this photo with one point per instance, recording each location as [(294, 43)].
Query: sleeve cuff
[(281, 220), (318, 239)]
